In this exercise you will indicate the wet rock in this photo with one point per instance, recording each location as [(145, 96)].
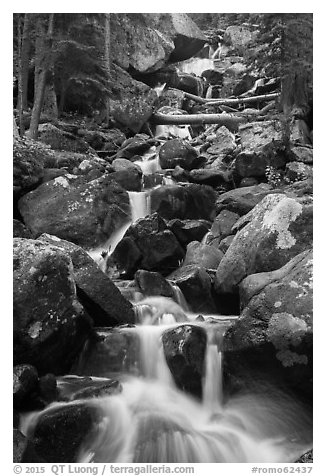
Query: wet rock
[(84, 213), (276, 230), (61, 431), (158, 247), (47, 387), (242, 200), (298, 171), (213, 77), (61, 140), (113, 387), (190, 201), (192, 84), (184, 349), (136, 145), (262, 145), (222, 227), (152, 283), (177, 152), (19, 446), (196, 286), (113, 351), (20, 230), (50, 329), (25, 382), (130, 179), (189, 230), (97, 293), (274, 332)]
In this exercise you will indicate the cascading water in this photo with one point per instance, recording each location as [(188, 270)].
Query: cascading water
[(152, 421)]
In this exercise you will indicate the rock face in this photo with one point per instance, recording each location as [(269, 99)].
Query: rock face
[(50, 325), (274, 331), (184, 349), (84, 213), (276, 230), (99, 296)]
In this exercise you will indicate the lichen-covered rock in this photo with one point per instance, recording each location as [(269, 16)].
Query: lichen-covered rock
[(184, 349), (200, 254), (223, 143), (275, 325), (50, 325), (84, 213), (238, 37), (262, 145), (190, 201), (97, 293), (152, 283), (177, 152), (275, 231)]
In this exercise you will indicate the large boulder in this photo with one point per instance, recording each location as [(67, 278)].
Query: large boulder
[(145, 42), (184, 349), (148, 244), (97, 293), (152, 283), (222, 227), (238, 37), (85, 213), (50, 325), (242, 200), (262, 146), (190, 201), (200, 254), (61, 431), (189, 230), (274, 332), (177, 152), (132, 102), (276, 230)]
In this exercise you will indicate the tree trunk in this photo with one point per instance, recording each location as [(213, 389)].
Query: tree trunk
[(43, 60), (20, 78), (24, 44), (108, 59), (229, 120)]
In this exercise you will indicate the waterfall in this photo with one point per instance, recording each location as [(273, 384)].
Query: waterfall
[(152, 421), (140, 204)]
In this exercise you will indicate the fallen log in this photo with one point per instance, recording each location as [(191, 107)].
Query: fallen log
[(236, 101), (228, 120)]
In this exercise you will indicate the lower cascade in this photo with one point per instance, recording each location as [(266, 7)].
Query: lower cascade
[(152, 420)]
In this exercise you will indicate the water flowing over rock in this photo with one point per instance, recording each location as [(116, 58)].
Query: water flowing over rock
[(50, 329), (97, 293), (184, 348), (276, 230), (274, 332), (84, 213)]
